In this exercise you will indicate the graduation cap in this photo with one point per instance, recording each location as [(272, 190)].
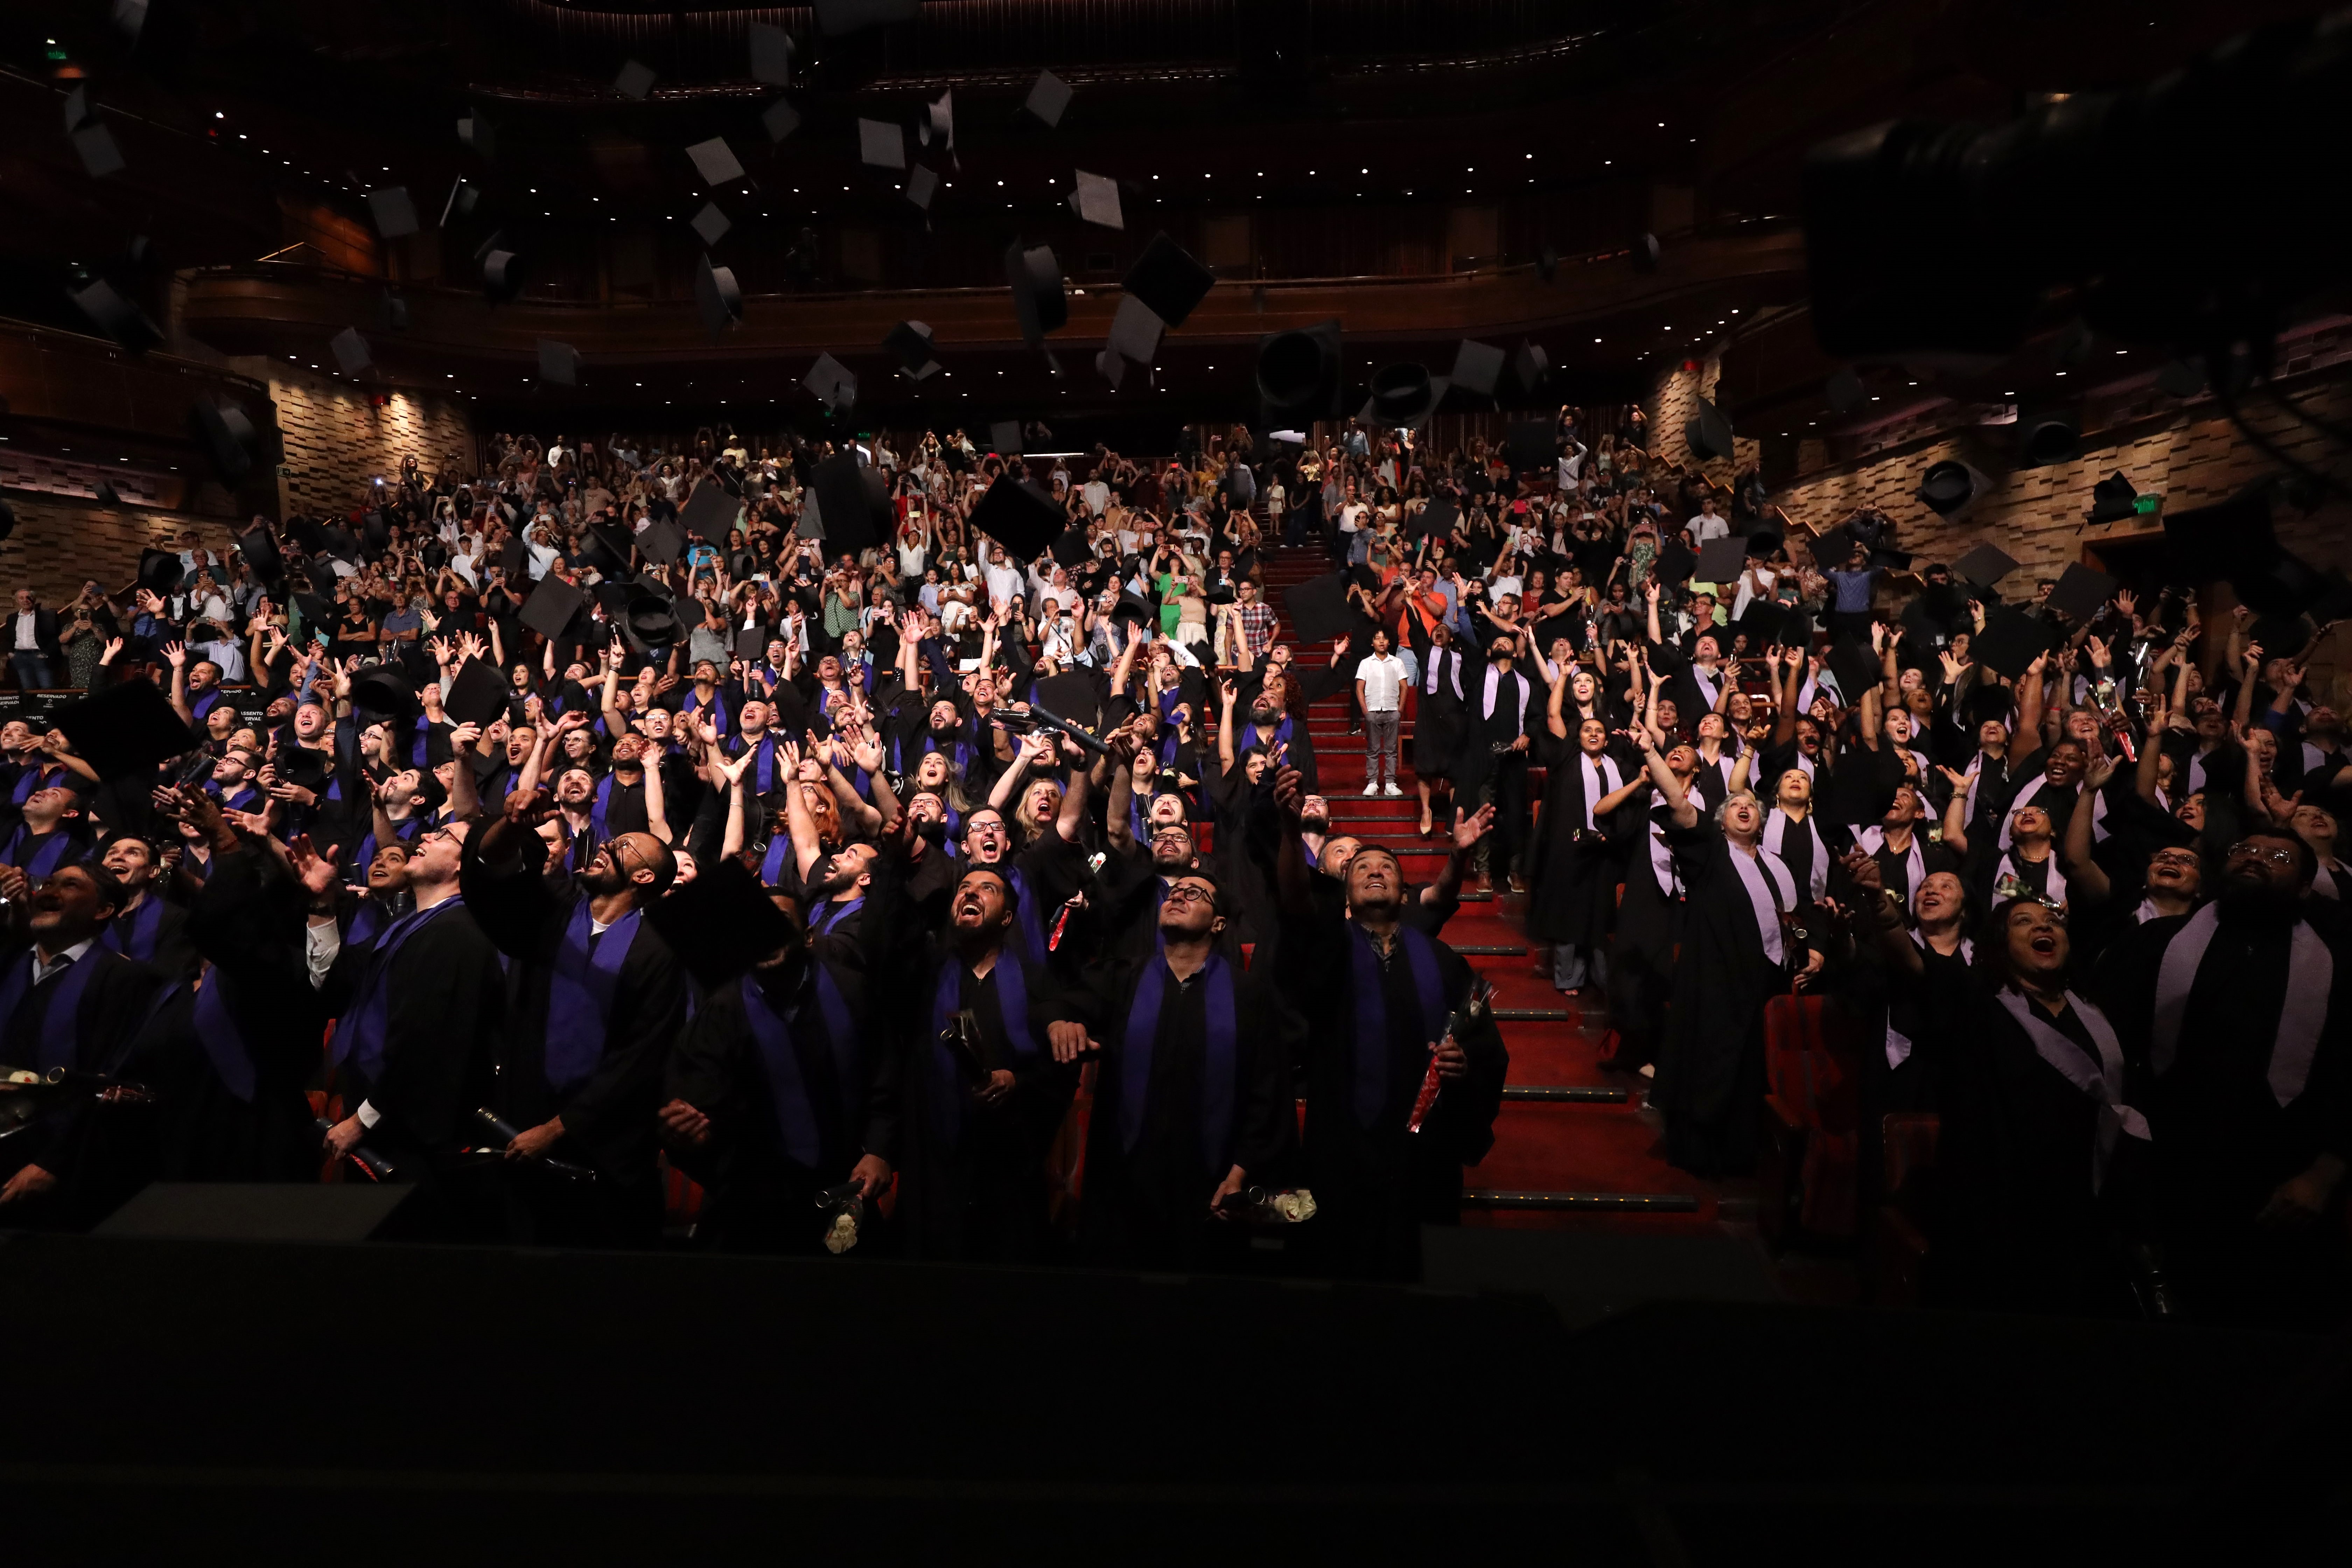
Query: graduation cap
[(717, 296), (1843, 390), (2114, 499), (1676, 561), (478, 695), (711, 511), (1950, 488), (1477, 368), (2011, 641), (394, 213), (1111, 367), (1135, 329), (1073, 695), (772, 54), (550, 606), (1529, 367), (106, 494), (375, 533), (1019, 516), (1167, 279), (1402, 394), (780, 120), (1298, 372), (502, 276), (1437, 518), (127, 18), (722, 923), (636, 81), (661, 543), (911, 341), (77, 109), (938, 124), (832, 383), (1645, 253), (1856, 668), (395, 313), (852, 500), (96, 146), (1036, 280), (7, 519), (225, 435), (1095, 198), (1890, 558), (1708, 432), (117, 317), (1765, 543), (751, 642), (1049, 97), (613, 598), (710, 224), (559, 362), (606, 547), (260, 552), (514, 559), (882, 143), (652, 615), (835, 18), (475, 130), (383, 688), (1318, 609), (1722, 560), (2082, 592), (1531, 443), (922, 185), (715, 161), (125, 731), (1004, 437), (1072, 549), (1985, 566), (463, 197), (158, 570)]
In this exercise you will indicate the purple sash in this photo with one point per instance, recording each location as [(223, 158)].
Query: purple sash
[(360, 1036), (223, 1042), (1372, 1013), (771, 864), (134, 935), (202, 703), (1216, 1071), (1028, 919), (45, 859), (831, 916), (60, 1029), (787, 1086), (580, 994), (1012, 1009)]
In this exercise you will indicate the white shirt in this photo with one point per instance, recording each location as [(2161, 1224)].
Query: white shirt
[(1351, 516), (1703, 528), (26, 640), (42, 971), (1096, 495), (1383, 675)]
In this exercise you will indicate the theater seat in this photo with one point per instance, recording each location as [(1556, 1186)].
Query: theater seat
[(681, 1199), (1902, 1243), (1813, 1074)]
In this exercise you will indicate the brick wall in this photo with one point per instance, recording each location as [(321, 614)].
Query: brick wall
[(336, 441), (61, 543), (1672, 403)]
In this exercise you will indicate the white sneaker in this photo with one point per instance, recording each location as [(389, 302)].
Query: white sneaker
[(1392, 793), (1373, 787)]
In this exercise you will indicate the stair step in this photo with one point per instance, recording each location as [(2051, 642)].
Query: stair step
[(1533, 1014), (1611, 1202), (1490, 949), (1579, 1094)]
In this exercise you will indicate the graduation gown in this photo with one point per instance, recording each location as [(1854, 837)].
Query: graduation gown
[(608, 1104), (1572, 892), (155, 932), (1440, 713), (74, 1136), (1710, 1080), (1180, 1101), (1649, 927), (1375, 1183)]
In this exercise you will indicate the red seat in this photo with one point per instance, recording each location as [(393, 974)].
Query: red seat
[(1813, 1080)]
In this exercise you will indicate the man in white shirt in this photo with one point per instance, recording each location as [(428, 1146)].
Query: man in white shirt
[(1706, 525), (1004, 580), (1379, 691), (1096, 494), (1354, 537)]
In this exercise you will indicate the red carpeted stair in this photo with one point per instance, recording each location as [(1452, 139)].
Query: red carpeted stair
[(1573, 1147)]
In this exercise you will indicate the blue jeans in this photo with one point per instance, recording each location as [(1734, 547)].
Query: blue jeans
[(32, 671)]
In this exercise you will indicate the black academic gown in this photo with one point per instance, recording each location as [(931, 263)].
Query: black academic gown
[(1648, 930), (1573, 873), (1147, 1187), (609, 1116), (87, 1144), (974, 1187), (230, 1103), (1440, 714), (1375, 1186), (1710, 1082)]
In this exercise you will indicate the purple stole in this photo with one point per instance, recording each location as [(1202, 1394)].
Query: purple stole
[(35, 777), (360, 1036), (134, 935), (787, 1083), (1013, 1010), (763, 771), (225, 1043), (60, 1029), (717, 705), (1027, 917), (1216, 1071), (45, 859), (1372, 1013), (771, 864), (580, 994), (202, 703)]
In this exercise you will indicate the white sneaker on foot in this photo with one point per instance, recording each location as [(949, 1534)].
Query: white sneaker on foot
[(1393, 792), (1372, 788)]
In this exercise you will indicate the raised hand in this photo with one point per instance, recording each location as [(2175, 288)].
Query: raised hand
[(176, 654), (315, 870)]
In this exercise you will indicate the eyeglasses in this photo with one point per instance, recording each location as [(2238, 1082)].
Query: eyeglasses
[(2247, 849), (1184, 891)]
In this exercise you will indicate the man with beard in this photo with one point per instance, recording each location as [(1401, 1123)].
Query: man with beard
[(2252, 1115), (594, 999), (65, 1002), (1278, 733), (147, 928), (1494, 758), (1044, 875), (1373, 1036), (419, 1013), (984, 1095), (1194, 1097)]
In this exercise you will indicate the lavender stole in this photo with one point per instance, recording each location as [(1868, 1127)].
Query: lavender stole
[(360, 1036), (1012, 1008), (771, 864), (1216, 1071), (225, 1043), (1372, 1013), (60, 1025), (787, 1085), (580, 994), (135, 936)]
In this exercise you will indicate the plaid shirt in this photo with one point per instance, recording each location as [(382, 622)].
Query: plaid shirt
[(1257, 620)]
